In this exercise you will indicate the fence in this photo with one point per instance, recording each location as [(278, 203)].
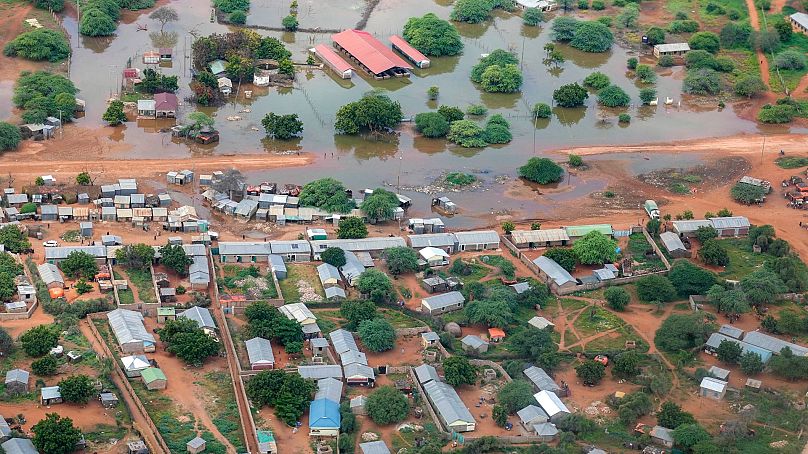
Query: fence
[(19, 315), (492, 365), (127, 388), (405, 332)]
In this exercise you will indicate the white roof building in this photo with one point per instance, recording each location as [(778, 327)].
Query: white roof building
[(299, 313), (551, 404)]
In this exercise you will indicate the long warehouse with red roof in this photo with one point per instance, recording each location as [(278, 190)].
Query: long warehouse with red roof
[(410, 52), (371, 55)]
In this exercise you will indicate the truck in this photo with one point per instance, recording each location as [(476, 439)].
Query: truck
[(652, 209)]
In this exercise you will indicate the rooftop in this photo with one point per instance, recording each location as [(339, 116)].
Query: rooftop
[(672, 47), (444, 300), (539, 236), (259, 350), (540, 378), (369, 51), (552, 269)]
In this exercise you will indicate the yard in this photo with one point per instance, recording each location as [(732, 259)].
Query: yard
[(331, 319), (142, 281), (302, 284), (223, 409), (637, 247), (124, 296), (742, 260), (248, 281)]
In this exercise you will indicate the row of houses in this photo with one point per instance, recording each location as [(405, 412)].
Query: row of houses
[(450, 409), (753, 341)]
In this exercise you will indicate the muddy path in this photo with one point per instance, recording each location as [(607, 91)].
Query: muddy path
[(754, 19)]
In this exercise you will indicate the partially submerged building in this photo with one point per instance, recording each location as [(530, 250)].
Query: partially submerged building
[(332, 60), (370, 54)]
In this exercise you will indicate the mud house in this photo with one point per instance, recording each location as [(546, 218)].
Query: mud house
[(16, 382), (671, 49), (719, 373), (552, 405), (554, 275), (674, 245), (259, 352), (474, 344), (374, 447), (530, 416), (370, 54), (333, 61), (439, 304), (50, 395), (196, 445), (410, 53), (236, 252), (19, 446), (712, 388), (532, 239), (153, 378), (435, 284), (476, 240), (131, 334), (799, 22), (135, 364), (452, 412), (541, 381)]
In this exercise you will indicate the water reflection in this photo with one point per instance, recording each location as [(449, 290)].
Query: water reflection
[(583, 59), (569, 116), (365, 147), (276, 146)]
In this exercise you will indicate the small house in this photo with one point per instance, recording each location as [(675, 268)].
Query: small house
[(445, 205), (329, 275), (374, 447), (446, 302), (433, 256), (426, 373), (165, 314), (17, 200), (552, 405), (259, 352), (316, 234), (662, 436), (530, 416), (520, 287), (108, 400), (137, 447), (200, 315), (19, 446), (495, 334), (545, 238), (50, 395), (49, 180), (278, 267), (16, 382), (217, 67), (435, 284), (453, 413), (86, 229), (109, 214), (153, 378), (48, 213), (335, 294), (225, 85), (137, 200), (541, 381), (27, 293), (324, 418), (168, 295), (474, 344), (357, 405), (545, 431), (135, 364), (799, 22), (719, 373), (671, 49), (16, 307), (146, 108), (196, 445), (674, 245), (166, 53), (83, 198), (478, 240), (51, 275), (151, 57), (753, 384), (429, 338), (713, 388), (557, 277), (319, 345)]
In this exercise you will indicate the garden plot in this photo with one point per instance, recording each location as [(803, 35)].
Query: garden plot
[(301, 284), (252, 281)]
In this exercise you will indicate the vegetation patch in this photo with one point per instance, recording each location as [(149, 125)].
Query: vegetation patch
[(792, 162), (460, 179), (742, 260), (301, 284), (142, 280), (224, 409)]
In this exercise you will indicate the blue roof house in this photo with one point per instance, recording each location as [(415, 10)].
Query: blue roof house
[(324, 418)]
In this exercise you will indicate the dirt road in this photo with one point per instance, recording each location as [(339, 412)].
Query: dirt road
[(754, 19)]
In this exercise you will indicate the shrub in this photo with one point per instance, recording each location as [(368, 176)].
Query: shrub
[(541, 110), (655, 288), (228, 6), (646, 74), (713, 253), (290, 22), (647, 95), (532, 16), (39, 44), (471, 11), (605, 20), (702, 82), (683, 26), (624, 118), (238, 17), (597, 81), (790, 59), (498, 57), (592, 36), (655, 35), (570, 95), (598, 5), (387, 405), (708, 41), (432, 36), (501, 79), (666, 61), (575, 161), (9, 136), (541, 170), (617, 298), (583, 4), (565, 257), (467, 134), (632, 63), (564, 28), (477, 110), (590, 372), (282, 127), (613, 96), (735, 35), (749, 85), (95, 22), (497, 133), (451, 113), (431, 124), (776, 114)]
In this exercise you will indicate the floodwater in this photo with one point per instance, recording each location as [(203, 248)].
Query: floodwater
[(406, 159)]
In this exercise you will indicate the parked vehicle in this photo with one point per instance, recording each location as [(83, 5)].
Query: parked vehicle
[(651, 209)]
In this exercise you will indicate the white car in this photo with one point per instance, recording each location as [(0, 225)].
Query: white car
[(50, 243)]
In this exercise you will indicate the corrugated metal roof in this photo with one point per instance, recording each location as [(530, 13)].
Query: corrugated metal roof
[(355, 370), (673, 47), (244, 248), (197, 442), (290, 247), (353, 357), (443, 300), (662, 433), (374, 447), (731, 331), (582, 230), (800, 18), (477, 237), (319, 342), (432, 239), (425, 373), (324, 414), (328, 273), (716, 338), (604, 274), (545, 429), (277, 264), (135, 362), (540, 378), (199, 272), (151, 374), (51, 392), (5, 430), (48, 209), (550, 403), (62, 252), (50, 273), (531, 413), (430, 336), (430, 252), (19, 446), (335, 61), (259, 351), (369, 51), (333, 292), (732, 222), (246, 207), (540, 322), (128, 326), (552, 269), (318, 372), (361, 244), (200, 315), (17, 375), (473, 341), (353, 268), (447, 403), (773, 344), (343, 341), (691, 225), (718, 372), (329, 388), (539, 236), (407, 49), (672, 241), (298, 312)]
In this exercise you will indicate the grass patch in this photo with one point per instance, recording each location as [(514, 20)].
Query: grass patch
[(299, 272), (742, 260), (399, 319), (71, 236), (126, 296), (776, 410), (103, 433), (792, 162), (618, 342), (460, 178), (225, 411), (473, 272), (637, 246), (142, 280), (596, 320), (572, 305)]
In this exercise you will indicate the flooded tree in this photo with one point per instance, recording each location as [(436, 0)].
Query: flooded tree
[(433, 36), (164, 15), (282, 127), (375, 111), (114, 114), (39, 44)]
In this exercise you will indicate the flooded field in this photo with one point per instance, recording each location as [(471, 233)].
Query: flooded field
[(406, 160)]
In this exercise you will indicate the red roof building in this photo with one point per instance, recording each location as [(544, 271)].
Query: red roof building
[(410, 52), (165, 105), (131, 73), (371, 54), (333, 61)]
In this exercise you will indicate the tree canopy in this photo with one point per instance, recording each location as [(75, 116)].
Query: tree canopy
[(387, 406), (467, 134), (41, 94), (497, 57), (747, 193), (708, 41), (55, 435), (374, 111), (617, 298), (39, 44), (597, 81), (590, 372), (77, 389), (282, 127), (683, 331), (613, 96), (713, 253), (136, 256), (327, 194), (492, 313), (565, 257), (375, 284), (541, 170), (357, 312), (538, 346), (97, 22), (592, 36), (333, 256), (458, 371), (10, 136), (671, 414), (380, 205), (352, 227), (432, 36), (689, 279), (762, 286), (595, 248), (501, 79), (377, 334), (14, 239), (570, 95), (173, 256), (79, 264), (114, 115), (431, 124), (401, 260), (39, 340), (290, 394), (515, 395)]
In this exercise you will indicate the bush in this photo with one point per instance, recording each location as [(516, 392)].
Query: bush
[(377, 335), (646, 74), (613, 96), (451, 113), (647, 95), (624, 118), (617, 298), (655, 36), (564, 28), (590, 372), (431, 124), (45, 366), (9, 136), (708, 41), (238, 17), (467, 134), (476, 110), (95, 22), (597, 81), (776, 114), (290, 23), (352, 227), (598, 5), (498, 57), (575, 161), (702, 82), (570, 95), (632, 63), (790, 59), (735, 35), (471, 11), (229, 6), (592, 36), (683, 26), (433, 36), (541, 110), (583, 4), (56, 5), (497, 133), (666, 61), (282, 127), (655, 288), (541, 170), (749, 85), (39, 44), (532, 16), (683, 332), (501, 79), (689, 279)]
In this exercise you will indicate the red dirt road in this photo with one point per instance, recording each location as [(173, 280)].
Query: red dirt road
[(755, 21)]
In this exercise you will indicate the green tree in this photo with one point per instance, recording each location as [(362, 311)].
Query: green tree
[(626, 365), (377, 335), (703, 81), (655, 288), (617, 298), (375, 284), (541, 110), (613, 96), (564, 28), (77, 389), (634, 405), (286, 68), (689, 279), (790, 59), (45, 366), (467, 134), (541, 170), (713, 253), (374, 111), (762, 286), (563, 256), (515, 395), (655, 35), (749, 86), (357, 312), (387, 406), (95, 22), (174, 258), (431, 124), (290, 23), (432, 36), (471, 11), (55, 435), (689, 435), (671, 414), (532, 16), (458, 371), (597, 81), (538, 346), (708, 41), (772, 114), (327, 194), (499, 415), (595, 248), (489, 312), (729, 352), (39, 44), (590, 372), (56, 5), (380, 205), (6, 343), (497, 130), (333, 256), (264, 387), (238, 17), (645, 74), (164, 15), (352, 227), (79, 264), (401, 260), (9, 136), (14, 239), (136, 256), (83, 179), (592, 36), (282, 127), (682, 332), (228, 6), (751, 364), (501, 79), (451, 113), (193, 347), (705, 233), (629, 17), (498, 57), (570, 95)]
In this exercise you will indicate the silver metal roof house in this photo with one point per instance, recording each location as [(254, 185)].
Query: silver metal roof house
[(19, 446), (290, 247), (551, 404), (278, 266), (731, 222), (773, 344), (689, 226), (129, 330), (17, 376), (539, 237), (5, 430), (251, 249), (259, 352), (672, 242), (298, 312), (545, 430), (477, 240), (319, 372), (672, 47), (554, 271), (541, 380), (426, 373), (353, 357), (800, 20), (439, 240), (329, 388), (532, 414), (540, 322), (520, 287), (374, 447), (718, 372), (343, 341), (61, 252), (473, 342), (50, 274), (440, 303), (353, 268), (731, 331), (375, 244), (335, 292), (200, 315), (450, 408), (359, 373), (246, 208), (199, 272)]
